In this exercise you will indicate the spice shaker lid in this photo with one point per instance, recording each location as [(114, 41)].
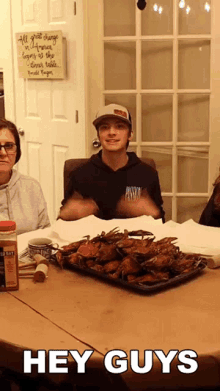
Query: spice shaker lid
[(7, 225)]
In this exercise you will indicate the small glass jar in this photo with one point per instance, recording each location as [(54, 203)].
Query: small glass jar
[(8, 256)]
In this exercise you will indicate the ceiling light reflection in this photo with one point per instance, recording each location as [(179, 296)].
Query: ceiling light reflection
[(160, 10), (207, 6), (188, 9), (182, 3), (155, 7)]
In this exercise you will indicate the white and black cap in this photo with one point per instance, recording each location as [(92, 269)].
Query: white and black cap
[(112, 110)]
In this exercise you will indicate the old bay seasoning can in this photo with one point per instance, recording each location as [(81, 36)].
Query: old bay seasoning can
[(8, 256)]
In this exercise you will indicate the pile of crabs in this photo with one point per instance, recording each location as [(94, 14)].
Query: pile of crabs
[(136, 261)]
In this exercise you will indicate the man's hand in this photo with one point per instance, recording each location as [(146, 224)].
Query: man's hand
[(138, 207), (78, 207)]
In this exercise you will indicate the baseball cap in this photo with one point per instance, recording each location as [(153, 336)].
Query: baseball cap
[(110, 111)]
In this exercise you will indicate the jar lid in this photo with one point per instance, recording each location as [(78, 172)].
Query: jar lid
[(7, 225)]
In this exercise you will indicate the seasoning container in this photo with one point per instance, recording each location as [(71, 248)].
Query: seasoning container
[(8, 256)]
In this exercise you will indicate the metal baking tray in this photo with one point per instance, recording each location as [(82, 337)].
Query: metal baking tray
[(179, 279)]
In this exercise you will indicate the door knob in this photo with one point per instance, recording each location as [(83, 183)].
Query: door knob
[(21, 132), (96, 143)]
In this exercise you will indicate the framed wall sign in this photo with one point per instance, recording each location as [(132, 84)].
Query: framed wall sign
[(40, 55)]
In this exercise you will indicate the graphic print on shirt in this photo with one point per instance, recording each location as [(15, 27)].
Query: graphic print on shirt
[(132, 193)]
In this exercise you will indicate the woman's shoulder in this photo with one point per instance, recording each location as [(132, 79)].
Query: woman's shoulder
[(24, 180)]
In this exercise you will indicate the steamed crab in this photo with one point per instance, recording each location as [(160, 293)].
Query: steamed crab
[(102, 248), (123, 256)]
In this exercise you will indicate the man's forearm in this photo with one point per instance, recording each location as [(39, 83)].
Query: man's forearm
[(67, 214), (140, 207), (76, 209)]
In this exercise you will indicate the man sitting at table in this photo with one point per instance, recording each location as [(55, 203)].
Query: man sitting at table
[(114, 183)]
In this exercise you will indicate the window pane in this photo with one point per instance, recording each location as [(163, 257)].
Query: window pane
[(190, 208), (156, 117), (193, 117), (194, 17), (120, 68), (119, 18), (129, 101), (194, 64), (157, 60), (157, 19), (163, 160), (167, 207), (193, 166)]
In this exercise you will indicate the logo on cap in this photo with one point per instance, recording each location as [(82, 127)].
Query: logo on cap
[(120, 112)]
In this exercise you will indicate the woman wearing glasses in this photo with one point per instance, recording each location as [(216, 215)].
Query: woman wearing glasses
[(21, 197)]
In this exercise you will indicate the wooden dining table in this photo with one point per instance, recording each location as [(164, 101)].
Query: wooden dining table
[(75, 311), (24, 328)]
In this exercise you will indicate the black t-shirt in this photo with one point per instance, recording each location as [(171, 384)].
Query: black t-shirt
[(105, 186)]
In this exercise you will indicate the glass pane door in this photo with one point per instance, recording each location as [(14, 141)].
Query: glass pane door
[(157, 64)]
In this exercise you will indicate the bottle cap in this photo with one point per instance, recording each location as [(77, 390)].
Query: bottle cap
[(7, 225)]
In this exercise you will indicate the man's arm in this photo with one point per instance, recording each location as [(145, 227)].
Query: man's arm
[(149, 203), (138, 207), (77, 207)]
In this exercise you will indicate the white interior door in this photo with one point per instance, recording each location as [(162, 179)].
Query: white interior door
[(50, 112)]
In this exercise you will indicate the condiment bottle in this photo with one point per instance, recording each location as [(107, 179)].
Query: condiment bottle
[(8, 256)]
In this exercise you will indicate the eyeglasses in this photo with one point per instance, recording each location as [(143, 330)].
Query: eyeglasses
[(10, 148)]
